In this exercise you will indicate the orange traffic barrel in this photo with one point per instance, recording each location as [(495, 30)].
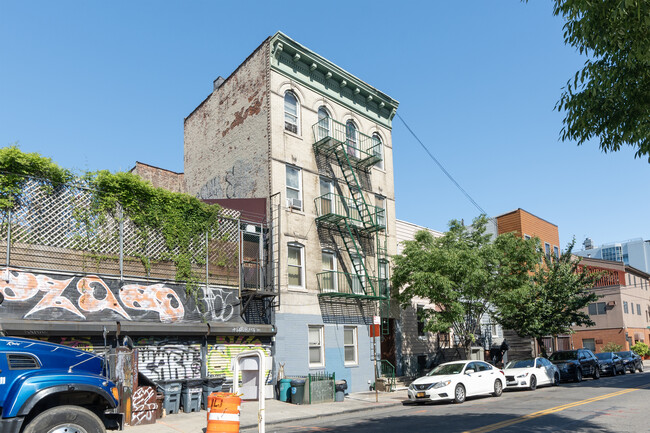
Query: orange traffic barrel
[(223, 412)]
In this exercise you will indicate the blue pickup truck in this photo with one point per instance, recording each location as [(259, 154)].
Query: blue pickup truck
[(49, 388)]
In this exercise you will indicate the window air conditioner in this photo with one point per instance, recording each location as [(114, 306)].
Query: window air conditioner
[(294, 203)]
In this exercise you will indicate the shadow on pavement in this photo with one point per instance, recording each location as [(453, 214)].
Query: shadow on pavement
[(447, 423)]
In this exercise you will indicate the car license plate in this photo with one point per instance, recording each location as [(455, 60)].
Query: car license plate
[(421, 394)]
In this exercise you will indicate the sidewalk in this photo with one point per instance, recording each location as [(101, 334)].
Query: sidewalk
[(276, 412)]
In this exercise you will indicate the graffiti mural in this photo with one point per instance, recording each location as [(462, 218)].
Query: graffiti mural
[(53, 297), (170, 361), (220, 355)]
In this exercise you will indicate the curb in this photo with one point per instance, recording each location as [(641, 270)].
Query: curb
[(323, 415)]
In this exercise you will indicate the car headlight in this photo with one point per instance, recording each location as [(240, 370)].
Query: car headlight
[(442, 384), (521, 376)]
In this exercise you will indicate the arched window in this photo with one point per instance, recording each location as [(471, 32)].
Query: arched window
[(324, 124), (378, 150), (291, 112), (352, 138)]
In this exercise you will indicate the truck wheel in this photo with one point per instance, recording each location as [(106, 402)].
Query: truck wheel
[(66, 419)]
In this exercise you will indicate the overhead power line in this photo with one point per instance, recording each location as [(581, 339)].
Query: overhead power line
[(444, 170)]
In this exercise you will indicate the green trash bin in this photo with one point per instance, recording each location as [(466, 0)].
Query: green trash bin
[(297, 391), (285, 390)]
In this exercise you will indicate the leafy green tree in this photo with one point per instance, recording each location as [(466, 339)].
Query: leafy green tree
[(461, 273), (641, 349), (609, 98), (553, 302), (611, 347)]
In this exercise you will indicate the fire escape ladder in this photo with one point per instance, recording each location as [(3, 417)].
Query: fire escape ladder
[(349, 236), (358, 200)]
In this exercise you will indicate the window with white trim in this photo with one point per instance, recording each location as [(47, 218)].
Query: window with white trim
[(295, 265), (324, 129), (556, 252), (329, 281), (326, 197), (291, 112), (352, 138), (380, 203), (294, 188), (358, 278), (350, 345), (316, 352), (547, 250), (378, 150), (382, 273)]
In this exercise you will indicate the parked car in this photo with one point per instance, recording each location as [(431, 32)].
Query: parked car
[(631, 361), (531, 373), (456, 381), (576, 364), (610, 363)]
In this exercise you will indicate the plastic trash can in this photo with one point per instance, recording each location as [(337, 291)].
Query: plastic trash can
[(191, 394), (340, 386), (285, 390), (210, 385), (172, 395), (297, 391)]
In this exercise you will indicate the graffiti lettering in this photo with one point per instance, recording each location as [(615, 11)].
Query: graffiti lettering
[(53, 299), (170, 362), (158, 298), (30, 295), (220, 356), (88, 302), (143, 403)]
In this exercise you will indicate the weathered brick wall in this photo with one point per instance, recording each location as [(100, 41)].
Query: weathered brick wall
[(226, 141), (159, 177)]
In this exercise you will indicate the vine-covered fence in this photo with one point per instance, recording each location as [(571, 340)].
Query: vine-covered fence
[(59, 228)]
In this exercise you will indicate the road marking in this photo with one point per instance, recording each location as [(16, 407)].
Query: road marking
[(523, 418)]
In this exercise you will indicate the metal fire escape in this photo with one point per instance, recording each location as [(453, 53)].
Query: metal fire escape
[(351, 217)]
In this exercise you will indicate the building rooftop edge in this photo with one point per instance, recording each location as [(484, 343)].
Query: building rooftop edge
[(335, 68)]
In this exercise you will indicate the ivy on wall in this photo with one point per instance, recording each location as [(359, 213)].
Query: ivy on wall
[(183, 220)]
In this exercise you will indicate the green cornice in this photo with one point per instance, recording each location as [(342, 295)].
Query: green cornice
[(299, 63)]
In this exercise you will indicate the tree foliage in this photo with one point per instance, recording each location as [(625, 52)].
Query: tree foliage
[(641, 349), (180, 218), (553, 302), (610, 346), (16, 165), (609, 98), (461, 273)]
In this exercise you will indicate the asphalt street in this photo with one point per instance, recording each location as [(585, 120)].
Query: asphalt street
[(611, 404)]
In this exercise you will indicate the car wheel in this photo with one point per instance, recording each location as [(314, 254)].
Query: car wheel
[(596, 374), (641, 368), (498, 388), (556, 380), (72, 419), (459, 394), (623, 370), (578, 375), (533, 383), (632, 370)]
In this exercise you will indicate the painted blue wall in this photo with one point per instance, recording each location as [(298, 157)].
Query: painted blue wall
[(291, 348)]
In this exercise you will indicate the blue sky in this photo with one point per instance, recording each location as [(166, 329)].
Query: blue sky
[(100, 85)]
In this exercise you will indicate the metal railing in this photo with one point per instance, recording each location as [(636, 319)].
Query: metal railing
[(387, 370), (333, 208), (362, 149), (334, 283)]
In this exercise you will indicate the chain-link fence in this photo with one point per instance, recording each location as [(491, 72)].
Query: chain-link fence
[(55, 228)]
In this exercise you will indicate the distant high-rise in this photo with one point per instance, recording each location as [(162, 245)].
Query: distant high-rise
[(633, 252)]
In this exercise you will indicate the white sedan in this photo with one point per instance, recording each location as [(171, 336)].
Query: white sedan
[(531, 373), (456, 381)]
